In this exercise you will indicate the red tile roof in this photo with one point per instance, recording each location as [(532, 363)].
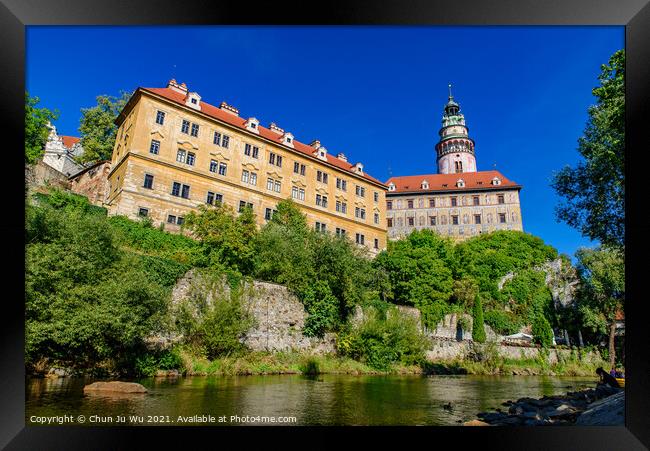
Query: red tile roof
[(264, 132), (447, 182), (69, 141)]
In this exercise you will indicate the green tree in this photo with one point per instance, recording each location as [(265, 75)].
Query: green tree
[(418, 269), (542, 332), (98, 129), (602, 290), (36, 130), (227, 239), (478, 328), (594, 190)]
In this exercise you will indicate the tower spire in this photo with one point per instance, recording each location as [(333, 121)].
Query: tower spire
[(455, 150), (450, 96)]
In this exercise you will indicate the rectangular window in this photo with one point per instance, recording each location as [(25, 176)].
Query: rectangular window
[(185, 192), (247, 149), (210, 198), (195, 130), (476, 200), (222, 168), (340, 232), (389, 222), (148, 181), (361, 191), (277, 186), (275, 159), (376, 196), (454, 219), (160, 117), (244, 204), (432, 203), (217, 139), (180, 220), (322, 176), (154, 148), (143, 212), (302, 169), (185, 128), (341, 207), (296, 167), (253, 178), (180, 156), (411, 221), (410, 204), (171, 219), (176, 189), (376, 243), (432, 220), (501, 199), (269, 184), (376, 218), (341, 184), (321, 200), (218, 199), (256, 152), (213, 166), (477, 219), (190, 158), (389, 205), (454, 201), (502, 218), (320, 227), (225, 141), (278, 161), (268, 213), (360, 239), (244, 176)]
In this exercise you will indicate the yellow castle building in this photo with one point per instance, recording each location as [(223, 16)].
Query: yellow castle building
[(174, 152)]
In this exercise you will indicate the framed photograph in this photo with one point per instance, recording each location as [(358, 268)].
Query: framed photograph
[(390, 216)]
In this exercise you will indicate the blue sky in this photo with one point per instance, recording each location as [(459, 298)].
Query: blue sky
[(374, 93)]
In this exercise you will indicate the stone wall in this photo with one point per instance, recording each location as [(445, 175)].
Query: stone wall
[(446, 349), (93, 183), (40, 174), (278, 315)]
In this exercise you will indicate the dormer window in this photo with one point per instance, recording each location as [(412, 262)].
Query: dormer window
[(287, 139), (193, 101), (460, 183), (496, 181), (321, 153), (252, 124), (425, 184), (358, 168), (391, 186)]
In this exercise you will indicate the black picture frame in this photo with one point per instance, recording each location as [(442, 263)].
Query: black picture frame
[(633, 14)]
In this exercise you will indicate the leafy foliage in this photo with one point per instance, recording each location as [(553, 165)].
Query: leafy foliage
[(86, 301), (381, 342), (594, 191), (502, 322), (478, 329), (36, 130), (542, 332), (98, 129)]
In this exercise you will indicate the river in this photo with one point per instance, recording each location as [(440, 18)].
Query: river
[(322, 400)]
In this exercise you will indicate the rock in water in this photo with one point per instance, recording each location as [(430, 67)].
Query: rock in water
[(609, 411), (475, 423), (115, 387)]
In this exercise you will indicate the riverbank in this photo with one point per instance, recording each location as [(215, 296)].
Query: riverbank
[(602, 406)]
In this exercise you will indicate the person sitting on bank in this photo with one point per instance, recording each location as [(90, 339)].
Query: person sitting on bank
[(607, 378)]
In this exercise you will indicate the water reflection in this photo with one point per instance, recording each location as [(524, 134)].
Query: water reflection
[(321, 400)]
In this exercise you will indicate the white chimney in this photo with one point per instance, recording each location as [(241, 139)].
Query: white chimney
[(274, 127), (229, 109), (342, 156), (182, 88), (315, 144)]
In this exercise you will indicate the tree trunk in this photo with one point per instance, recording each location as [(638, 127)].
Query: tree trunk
[(580, 339), (566, 338), (612, 349)]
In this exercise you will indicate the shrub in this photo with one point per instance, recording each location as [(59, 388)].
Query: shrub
[(322, 307), (542, 332), (502, 322), (380, 343), (478, 331)]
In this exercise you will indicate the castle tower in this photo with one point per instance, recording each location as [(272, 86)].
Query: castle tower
[(455, 150)]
